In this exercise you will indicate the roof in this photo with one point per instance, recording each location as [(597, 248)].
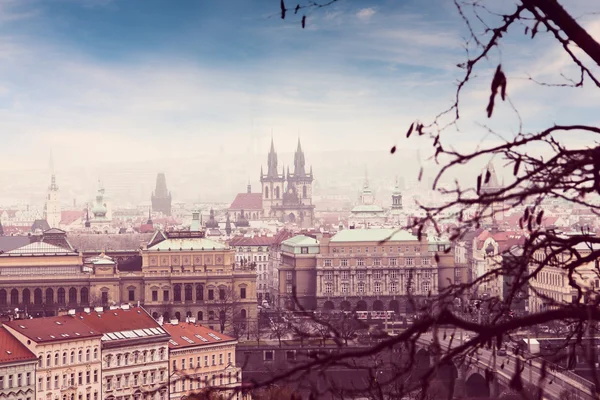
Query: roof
[(122, 324), (98, 243), (40, 224), (300, 240), (12, 350), (252, 241), (53, 329), (70, 216), (190, 335), (373, 235), (39, 248), (8, 243), (247, 201), (188, 243), (367, 208)]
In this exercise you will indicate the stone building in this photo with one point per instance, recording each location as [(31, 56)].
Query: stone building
[(360, 269), (285, 196), (68, 352), (200, 358), (17, 369), (135, 357), (176, 274)]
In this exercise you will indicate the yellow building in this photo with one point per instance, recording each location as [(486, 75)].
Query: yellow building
[(181, 274), (200, 358), (69, 366)]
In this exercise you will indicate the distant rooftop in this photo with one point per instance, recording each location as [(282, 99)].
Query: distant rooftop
[(300, 240), (38, 249), (187, 244), (372, 235), (12, 350), (53, 329), (190, 334)]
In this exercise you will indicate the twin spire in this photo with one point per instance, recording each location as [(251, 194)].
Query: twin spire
[(299, 162)]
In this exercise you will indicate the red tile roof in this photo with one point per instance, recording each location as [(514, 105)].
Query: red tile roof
[(12, 350), (198, 335), (247, 201), (117, 320), (53, 329), (68, 217)]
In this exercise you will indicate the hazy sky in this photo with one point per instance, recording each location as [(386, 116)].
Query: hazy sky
[(106, 80)]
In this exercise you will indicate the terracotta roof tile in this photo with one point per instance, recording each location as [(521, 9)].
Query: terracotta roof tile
[(53, 329), (12, 350), (197, 335), (70, 216), (247, 201), (120, 320)]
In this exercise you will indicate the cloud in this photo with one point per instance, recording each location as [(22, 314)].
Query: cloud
[(366, 13)]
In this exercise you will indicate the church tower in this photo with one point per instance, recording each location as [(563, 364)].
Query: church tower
[(271, 183), (161, 197), (397, 197), (495, 212), (52, 207), (300, 180)]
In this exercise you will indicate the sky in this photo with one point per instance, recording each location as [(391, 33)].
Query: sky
[(103, 81)]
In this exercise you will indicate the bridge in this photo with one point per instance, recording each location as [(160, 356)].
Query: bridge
[(488, 376)]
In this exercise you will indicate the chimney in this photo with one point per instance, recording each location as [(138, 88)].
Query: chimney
[(99, 309), (71, 312), (86, 310), (174, 321)]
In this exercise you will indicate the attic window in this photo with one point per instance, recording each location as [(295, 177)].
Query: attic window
[(77, 334), (8, 352), (58, 323), (53, 337), (21, 326)]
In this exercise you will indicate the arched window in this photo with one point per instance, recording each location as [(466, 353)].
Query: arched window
[(64, 358), (48, 360), (222, 316), (61, 296), (56, 359), (277, 194), (304, 192), (266, 192), (49, 296), (72, 357), (14, 297), (95, 354), (178, 316), (188, 292), (2, 297), (177, 293), (243, 313), (85, 295), (72, 296), (80, 356), (26, 296), (199, 292), (200, 316), (87, 355), (37, 296)]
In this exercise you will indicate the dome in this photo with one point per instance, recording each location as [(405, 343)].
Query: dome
[(99, 210)]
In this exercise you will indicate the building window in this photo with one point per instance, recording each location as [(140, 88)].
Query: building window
[(393, 274), (131, 295), (376, 274), (155, 295), (211, 294), (243, 293), (409, 261), (366, 249), (345, 288), (361, 287), (304, 250), (377, 261), (328, 288), (393, 287), (327, 262), (165, 295), (344, 262), (221, 294), (288, 275), (427, 274), (393, 261), (288, 288), (95, 354), (425, 261), (360, 262), (345, 274), (268, 355), (64, 358), (377, 287), (41, 383), (80, 356), (457, 273), (328, 275), (426, 287), (87, 354), (360, 274)]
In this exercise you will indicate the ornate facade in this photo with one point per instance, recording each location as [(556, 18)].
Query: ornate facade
[(182, 273), (161, 197), (353, 270)]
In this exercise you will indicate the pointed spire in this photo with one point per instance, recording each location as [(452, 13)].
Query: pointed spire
[(299, 148), (149, 222), (299, 162), (1, 229)]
